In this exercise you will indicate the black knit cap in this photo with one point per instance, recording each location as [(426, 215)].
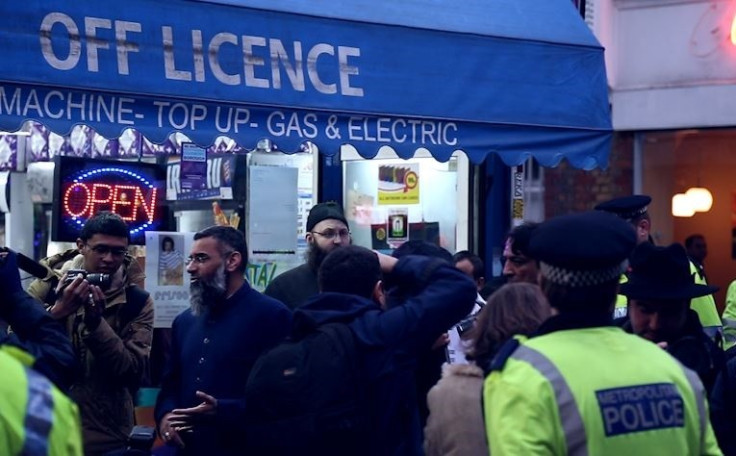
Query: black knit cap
[(582, 249), (626, 207), (324, 211)]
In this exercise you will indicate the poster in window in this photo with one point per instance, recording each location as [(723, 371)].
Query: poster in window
[(167, 279), (398, 184)]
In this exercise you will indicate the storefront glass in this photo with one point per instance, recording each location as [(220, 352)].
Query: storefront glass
[(390, 201), (675, 161)]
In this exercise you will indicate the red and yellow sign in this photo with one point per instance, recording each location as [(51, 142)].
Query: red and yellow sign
[(398, 184)]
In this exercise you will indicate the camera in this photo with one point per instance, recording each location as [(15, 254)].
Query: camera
[(141, 439), (101, 280), (465, 325)]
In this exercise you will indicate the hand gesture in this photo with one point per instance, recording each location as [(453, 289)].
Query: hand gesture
[(70, 297), (387, 262), (207, 407), (179, 421), (169, 429), (441, 341), (93, 307)]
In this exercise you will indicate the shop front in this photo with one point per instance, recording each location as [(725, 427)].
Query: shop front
[(398, 110), (672, 68)]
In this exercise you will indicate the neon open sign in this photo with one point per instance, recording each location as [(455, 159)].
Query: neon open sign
[(134, 202), (86, 187)]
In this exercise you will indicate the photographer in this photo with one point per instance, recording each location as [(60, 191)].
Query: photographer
[(659, 291), (109, 321)]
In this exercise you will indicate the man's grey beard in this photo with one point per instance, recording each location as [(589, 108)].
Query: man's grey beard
[(203, 293)]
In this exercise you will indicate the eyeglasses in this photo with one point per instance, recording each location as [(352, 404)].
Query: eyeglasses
[(202, 258), (332, 234), (102, 250)]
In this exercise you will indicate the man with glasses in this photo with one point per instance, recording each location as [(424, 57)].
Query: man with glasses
[(109, 322), (201, 407), (327, 229)]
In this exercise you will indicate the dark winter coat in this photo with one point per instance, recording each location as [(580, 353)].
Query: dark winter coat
[(392, 341), (214, 353), (113, 358), (294, 287), (40, 335)]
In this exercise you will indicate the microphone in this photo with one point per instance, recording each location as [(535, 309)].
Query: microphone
[(29, 265)]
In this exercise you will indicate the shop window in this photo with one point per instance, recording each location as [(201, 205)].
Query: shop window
[(672, 162), (389, 200)]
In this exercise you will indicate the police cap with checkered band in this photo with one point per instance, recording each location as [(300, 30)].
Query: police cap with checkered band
[(583, 249), (626, 207)]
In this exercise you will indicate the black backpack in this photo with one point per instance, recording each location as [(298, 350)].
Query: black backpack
[(307, 396)]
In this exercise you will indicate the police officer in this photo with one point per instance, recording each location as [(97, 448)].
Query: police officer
[(35, 417), (634, 209), (582, 386), (659, 291)]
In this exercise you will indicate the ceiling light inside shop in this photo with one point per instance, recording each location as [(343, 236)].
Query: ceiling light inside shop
[(681, 206), (700, 198)]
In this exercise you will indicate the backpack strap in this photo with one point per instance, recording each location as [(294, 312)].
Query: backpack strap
[(135, 301)]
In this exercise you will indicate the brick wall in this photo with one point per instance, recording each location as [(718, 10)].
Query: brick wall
[(567, 189)]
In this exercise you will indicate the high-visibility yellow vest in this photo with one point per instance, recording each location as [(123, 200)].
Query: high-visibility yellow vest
[(622, 303), (595, 391), (35, 417), (729, 317), (705, 306)]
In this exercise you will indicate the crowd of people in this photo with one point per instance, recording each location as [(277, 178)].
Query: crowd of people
[(596, 342)]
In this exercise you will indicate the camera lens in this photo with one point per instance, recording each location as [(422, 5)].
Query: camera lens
[(101, 280)]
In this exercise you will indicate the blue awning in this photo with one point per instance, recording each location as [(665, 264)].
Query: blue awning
[(515, 78)]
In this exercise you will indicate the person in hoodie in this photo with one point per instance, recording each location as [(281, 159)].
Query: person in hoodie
[(390, 340)]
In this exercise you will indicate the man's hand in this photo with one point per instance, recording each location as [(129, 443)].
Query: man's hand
[(93, 307), (441, 341), (387, 262), (170, 427), (208, 407), (70, 297)]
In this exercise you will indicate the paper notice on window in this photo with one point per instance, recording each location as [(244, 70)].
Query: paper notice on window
[(167, 279), (273, 209)]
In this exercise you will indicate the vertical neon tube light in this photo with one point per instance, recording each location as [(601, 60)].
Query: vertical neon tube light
[(733, 30)]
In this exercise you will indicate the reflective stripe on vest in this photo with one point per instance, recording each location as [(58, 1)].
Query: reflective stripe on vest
[(697, 386), (572, 422), (729, 331), (39, 415)]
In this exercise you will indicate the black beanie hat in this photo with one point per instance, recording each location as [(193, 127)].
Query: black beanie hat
[(324, 211)]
